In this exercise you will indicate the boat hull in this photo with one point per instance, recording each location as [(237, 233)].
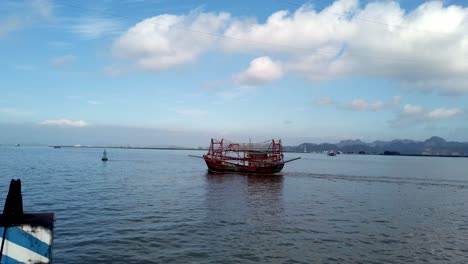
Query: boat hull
[(220, 166)]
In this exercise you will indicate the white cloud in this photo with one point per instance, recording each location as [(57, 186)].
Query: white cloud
[(302, 32), (444, 113), (82, 99), (414, 114), (192, 112), (415, 110), (23, 14), (215, 86), (92, 102), (229, 90), (95, 27), (396, 100), (115, 70), (325, 101), (166, 41), (63, 61), (361, 104), (43, 8), (364, 105), (64, 122), (7, 110), (25, 67), (9, 24), (15, 111), (60, 44), (261, 70), (420, 48)]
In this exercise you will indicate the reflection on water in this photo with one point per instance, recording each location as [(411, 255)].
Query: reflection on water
[(235, 198), (245, 212)]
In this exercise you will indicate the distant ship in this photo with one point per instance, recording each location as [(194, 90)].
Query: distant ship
[(262, 158), (331, 153)]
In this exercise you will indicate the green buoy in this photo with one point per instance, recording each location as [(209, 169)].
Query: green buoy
[(104, 156)]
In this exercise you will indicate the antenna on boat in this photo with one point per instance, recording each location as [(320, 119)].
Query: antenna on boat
[(104, 156)]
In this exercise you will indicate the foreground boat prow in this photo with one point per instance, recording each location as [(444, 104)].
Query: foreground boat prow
[(26, 238)]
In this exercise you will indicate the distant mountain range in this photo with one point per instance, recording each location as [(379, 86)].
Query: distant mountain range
[(431, 146)]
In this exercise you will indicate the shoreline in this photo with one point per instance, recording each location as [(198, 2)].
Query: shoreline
[(107, 147), (205, 149)]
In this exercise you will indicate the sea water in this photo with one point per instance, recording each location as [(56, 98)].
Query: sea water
[(161, 206)]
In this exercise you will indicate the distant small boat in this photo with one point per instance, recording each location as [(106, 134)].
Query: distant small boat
[(57, 147), (104, 156), (331, 153)]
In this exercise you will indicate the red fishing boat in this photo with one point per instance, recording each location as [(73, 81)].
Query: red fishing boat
[(264, 158)]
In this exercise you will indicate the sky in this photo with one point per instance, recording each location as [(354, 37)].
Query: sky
[(159, 73)]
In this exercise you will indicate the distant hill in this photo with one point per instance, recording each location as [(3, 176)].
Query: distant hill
[(431, 146)]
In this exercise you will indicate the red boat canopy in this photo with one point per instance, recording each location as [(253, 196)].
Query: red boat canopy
[(269, 152)]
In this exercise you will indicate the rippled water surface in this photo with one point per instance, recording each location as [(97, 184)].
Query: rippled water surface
[(155, 206)]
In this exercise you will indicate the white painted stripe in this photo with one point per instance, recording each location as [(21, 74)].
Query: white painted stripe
[(22, 254), (38, 232)]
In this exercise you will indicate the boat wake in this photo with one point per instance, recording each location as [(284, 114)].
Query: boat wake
[(385, 179)]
